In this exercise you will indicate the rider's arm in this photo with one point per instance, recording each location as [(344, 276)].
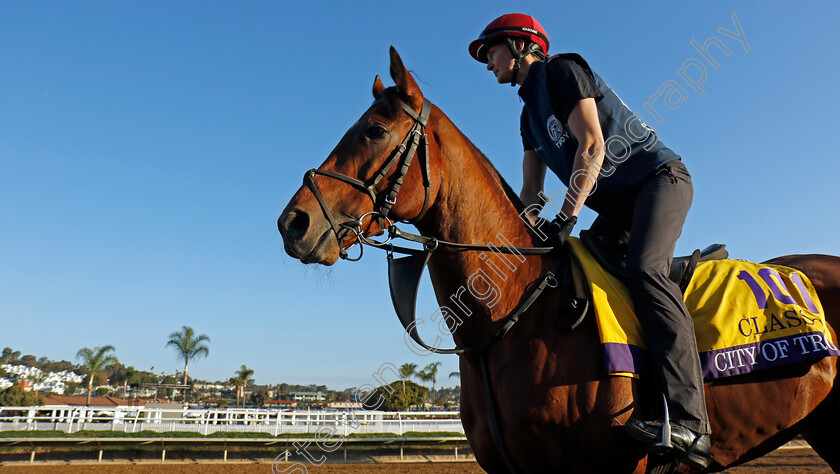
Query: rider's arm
[(583, 120), (533, 178)]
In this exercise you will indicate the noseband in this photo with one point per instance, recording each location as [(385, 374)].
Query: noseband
[(416, 138)]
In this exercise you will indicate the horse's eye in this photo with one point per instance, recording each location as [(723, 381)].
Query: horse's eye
[(376, 132)]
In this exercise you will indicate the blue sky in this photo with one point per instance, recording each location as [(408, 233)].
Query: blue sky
[(147, 149)]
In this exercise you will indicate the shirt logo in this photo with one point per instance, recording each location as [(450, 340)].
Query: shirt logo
[(556, 132)]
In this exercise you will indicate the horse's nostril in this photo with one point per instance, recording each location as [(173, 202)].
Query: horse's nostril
[(294, 224)]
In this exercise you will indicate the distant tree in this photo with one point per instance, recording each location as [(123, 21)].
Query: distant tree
[(59, 366), (95, 360), (29, 360), (406, 372), (125, 375), (102, 391), (422, 376), (344, 395), (223, 403), (188, 346), (241, 379), (70, 387), (431, 374), (259, 397), (391, 398), (454, 374), (18, 397), (9, 356)]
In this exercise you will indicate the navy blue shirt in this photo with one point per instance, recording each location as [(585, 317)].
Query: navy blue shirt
[(550, 92)]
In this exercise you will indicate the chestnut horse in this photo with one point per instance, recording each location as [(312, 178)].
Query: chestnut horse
[(556, 408)]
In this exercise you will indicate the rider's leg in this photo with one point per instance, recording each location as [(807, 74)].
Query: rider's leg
[(659, 213)]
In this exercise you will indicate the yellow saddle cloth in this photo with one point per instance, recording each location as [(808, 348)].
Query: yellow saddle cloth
[(747, 317)]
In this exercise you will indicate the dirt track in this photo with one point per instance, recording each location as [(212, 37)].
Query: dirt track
[(782, 461), (206, 468)]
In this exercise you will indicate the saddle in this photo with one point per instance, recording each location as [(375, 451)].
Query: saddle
[(576, 297), (613, 259)]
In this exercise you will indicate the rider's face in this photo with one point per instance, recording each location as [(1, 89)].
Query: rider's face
[(500, 61)]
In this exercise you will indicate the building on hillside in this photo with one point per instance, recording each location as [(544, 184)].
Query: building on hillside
[(40, 380), (305, 396)]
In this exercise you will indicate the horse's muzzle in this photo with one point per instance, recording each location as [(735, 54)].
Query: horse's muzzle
[(305, 240)]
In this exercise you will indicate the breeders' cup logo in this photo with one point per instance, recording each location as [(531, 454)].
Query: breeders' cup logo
[(556, 132)]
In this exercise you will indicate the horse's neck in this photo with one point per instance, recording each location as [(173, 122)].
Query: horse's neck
[(477, 288)]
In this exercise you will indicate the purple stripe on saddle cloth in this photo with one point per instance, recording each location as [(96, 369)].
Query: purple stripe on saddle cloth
[(761, 355), (624, 358)]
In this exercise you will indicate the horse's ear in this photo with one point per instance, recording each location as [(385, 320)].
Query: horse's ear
[(409, 91), (378, 87)]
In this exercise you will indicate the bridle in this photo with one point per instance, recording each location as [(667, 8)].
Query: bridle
[(404, 273), (414, 140)]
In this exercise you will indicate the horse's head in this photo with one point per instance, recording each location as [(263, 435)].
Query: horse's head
[(385, 154)]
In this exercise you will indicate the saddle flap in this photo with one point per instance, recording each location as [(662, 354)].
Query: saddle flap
[(404, 275)]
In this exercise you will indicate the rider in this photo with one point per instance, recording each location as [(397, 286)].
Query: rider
[(640, 189)]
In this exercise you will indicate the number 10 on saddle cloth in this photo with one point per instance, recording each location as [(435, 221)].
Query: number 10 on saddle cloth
[(747, 317)]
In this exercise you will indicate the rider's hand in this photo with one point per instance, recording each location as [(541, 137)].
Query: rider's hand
[(559, 230)]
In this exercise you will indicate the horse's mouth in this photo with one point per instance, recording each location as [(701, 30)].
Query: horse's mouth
[(325, 250)]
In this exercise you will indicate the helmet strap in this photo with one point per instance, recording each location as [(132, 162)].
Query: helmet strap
[(516, 63), (517, 56)]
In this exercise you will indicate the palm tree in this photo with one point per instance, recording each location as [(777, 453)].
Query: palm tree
[(431, 373), (94, 360), (188, 346), (241, 380), (406, 371), (423, 376), (454, 374)]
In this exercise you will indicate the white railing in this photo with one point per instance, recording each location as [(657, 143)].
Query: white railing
[(71, 419)]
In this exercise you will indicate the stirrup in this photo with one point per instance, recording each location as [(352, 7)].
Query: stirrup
[(665, 442)]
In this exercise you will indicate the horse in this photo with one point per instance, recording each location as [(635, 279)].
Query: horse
[(556, 409)]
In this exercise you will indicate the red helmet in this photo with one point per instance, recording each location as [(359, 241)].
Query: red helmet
[(511, 24)]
